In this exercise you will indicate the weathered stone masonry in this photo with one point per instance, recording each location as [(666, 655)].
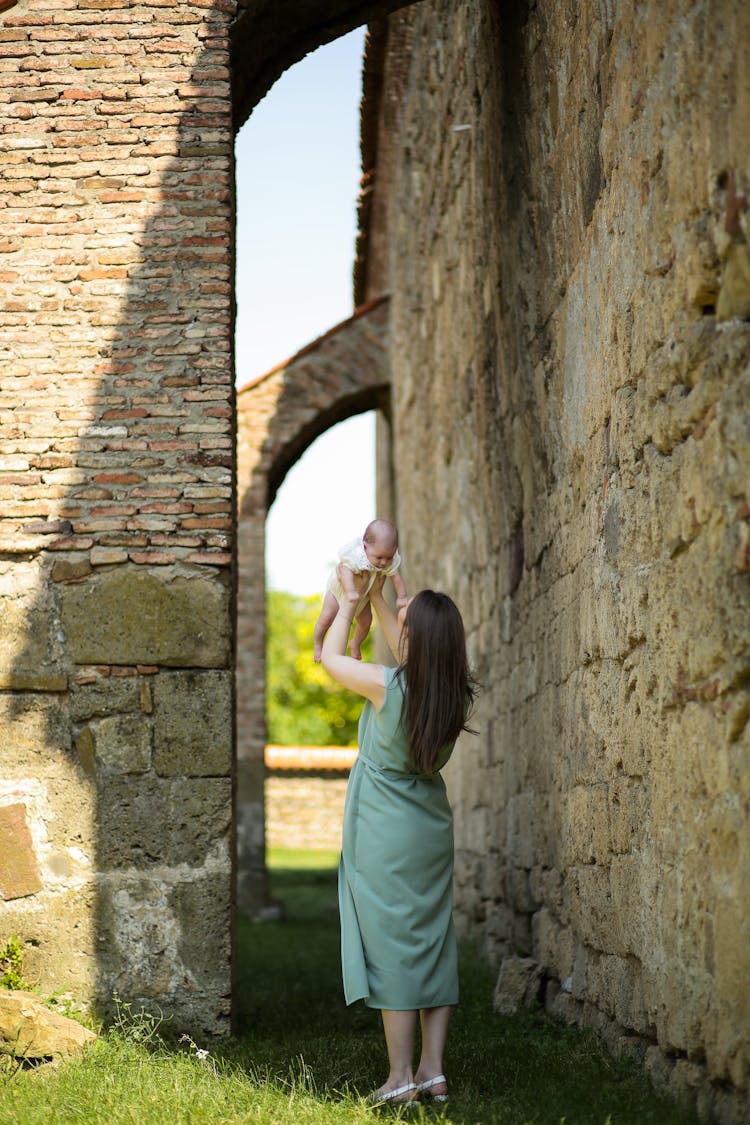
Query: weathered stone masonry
[(116, 495), (560, 215)]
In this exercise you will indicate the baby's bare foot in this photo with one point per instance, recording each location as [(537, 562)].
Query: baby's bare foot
[(356, 654), (317, 652)]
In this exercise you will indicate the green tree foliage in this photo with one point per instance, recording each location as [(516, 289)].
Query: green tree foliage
[(304, 707)]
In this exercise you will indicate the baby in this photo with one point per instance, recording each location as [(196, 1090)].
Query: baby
[(376, 552)]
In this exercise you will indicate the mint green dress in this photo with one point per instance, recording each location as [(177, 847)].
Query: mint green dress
[(398, 945)]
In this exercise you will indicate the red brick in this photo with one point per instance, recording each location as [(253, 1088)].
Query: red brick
[(118, 478), (152, 558), (210, 558), (206, 523)]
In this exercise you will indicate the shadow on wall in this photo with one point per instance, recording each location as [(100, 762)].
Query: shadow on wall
[(116, 587)]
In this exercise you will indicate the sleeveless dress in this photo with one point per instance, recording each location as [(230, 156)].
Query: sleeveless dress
[(398, 945)]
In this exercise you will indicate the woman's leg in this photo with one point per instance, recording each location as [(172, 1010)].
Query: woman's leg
[(399, 1028), (434, 1022)]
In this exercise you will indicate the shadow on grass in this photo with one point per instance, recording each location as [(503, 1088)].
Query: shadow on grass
[(517, 1069), (302, 1058)]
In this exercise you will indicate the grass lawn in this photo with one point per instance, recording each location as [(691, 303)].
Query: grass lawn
[(301, 1056)]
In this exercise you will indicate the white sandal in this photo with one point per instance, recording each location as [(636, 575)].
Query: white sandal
[(426, 1087), (394, 1095)]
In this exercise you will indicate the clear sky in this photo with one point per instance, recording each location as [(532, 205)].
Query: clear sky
[(298, 169)]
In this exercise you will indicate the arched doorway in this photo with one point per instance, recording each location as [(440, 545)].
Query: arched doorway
[(343, 373)]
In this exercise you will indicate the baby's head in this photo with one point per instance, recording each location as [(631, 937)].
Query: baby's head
[(381, 542)]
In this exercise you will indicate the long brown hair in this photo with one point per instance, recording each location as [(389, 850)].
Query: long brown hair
[(438, 687)]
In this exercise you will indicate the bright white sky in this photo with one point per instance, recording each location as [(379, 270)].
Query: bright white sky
[(298, 170)]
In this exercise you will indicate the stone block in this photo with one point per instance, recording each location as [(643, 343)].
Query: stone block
[(192, 724), (19, 872), (28, 616), (28, 1029), (148, 821), (518, 984), (131, 616), (202, 909), (37, 679), (69, 570), (37, 734), (56, 931), (152, 930), (122, 744), (110, 696), (734, 293)]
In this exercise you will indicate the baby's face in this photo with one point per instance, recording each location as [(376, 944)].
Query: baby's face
[(380, 553)]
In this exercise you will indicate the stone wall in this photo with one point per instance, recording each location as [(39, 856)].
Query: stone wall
[(562, 225), (305, 793), (116, 499)]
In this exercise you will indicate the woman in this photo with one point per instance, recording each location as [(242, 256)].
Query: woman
[(398, 947)]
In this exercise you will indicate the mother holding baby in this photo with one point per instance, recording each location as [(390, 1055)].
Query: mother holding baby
[(398, 946)]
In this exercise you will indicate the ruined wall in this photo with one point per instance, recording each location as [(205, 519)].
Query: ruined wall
[(568, 264), (116, 500)]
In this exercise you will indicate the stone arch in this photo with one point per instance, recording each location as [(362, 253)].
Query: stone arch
[(342, 373)]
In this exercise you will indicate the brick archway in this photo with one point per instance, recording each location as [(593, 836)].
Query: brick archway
[(269, 36), (343, 373)]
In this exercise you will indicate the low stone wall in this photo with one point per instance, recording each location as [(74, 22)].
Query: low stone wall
[(305, 791)]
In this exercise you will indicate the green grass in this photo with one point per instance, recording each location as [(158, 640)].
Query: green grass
[(302, 1057)]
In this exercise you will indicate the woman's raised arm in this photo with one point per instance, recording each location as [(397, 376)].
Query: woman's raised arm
[(386, 617), (363, 678)]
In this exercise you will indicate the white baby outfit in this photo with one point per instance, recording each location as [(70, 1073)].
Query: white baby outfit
[(354, 556)]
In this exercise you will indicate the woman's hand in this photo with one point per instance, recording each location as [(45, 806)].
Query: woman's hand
[(360, 580), (364, 678), (379, 583)]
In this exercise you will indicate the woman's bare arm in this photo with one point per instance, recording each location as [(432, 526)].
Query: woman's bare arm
[(363, 678), (386, 617)]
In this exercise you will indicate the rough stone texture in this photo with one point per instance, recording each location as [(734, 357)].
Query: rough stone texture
[(187, 705), (343, 373), (518, 984), (30, 1030), (305, 788), (130, 617), (304, 811), (560, 213)]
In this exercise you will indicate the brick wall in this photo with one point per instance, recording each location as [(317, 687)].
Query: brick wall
[(563, 229), (116, 495)]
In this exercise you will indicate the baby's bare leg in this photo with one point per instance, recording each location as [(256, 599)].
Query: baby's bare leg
[(362, 624), (328, 612), (346, 578)]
